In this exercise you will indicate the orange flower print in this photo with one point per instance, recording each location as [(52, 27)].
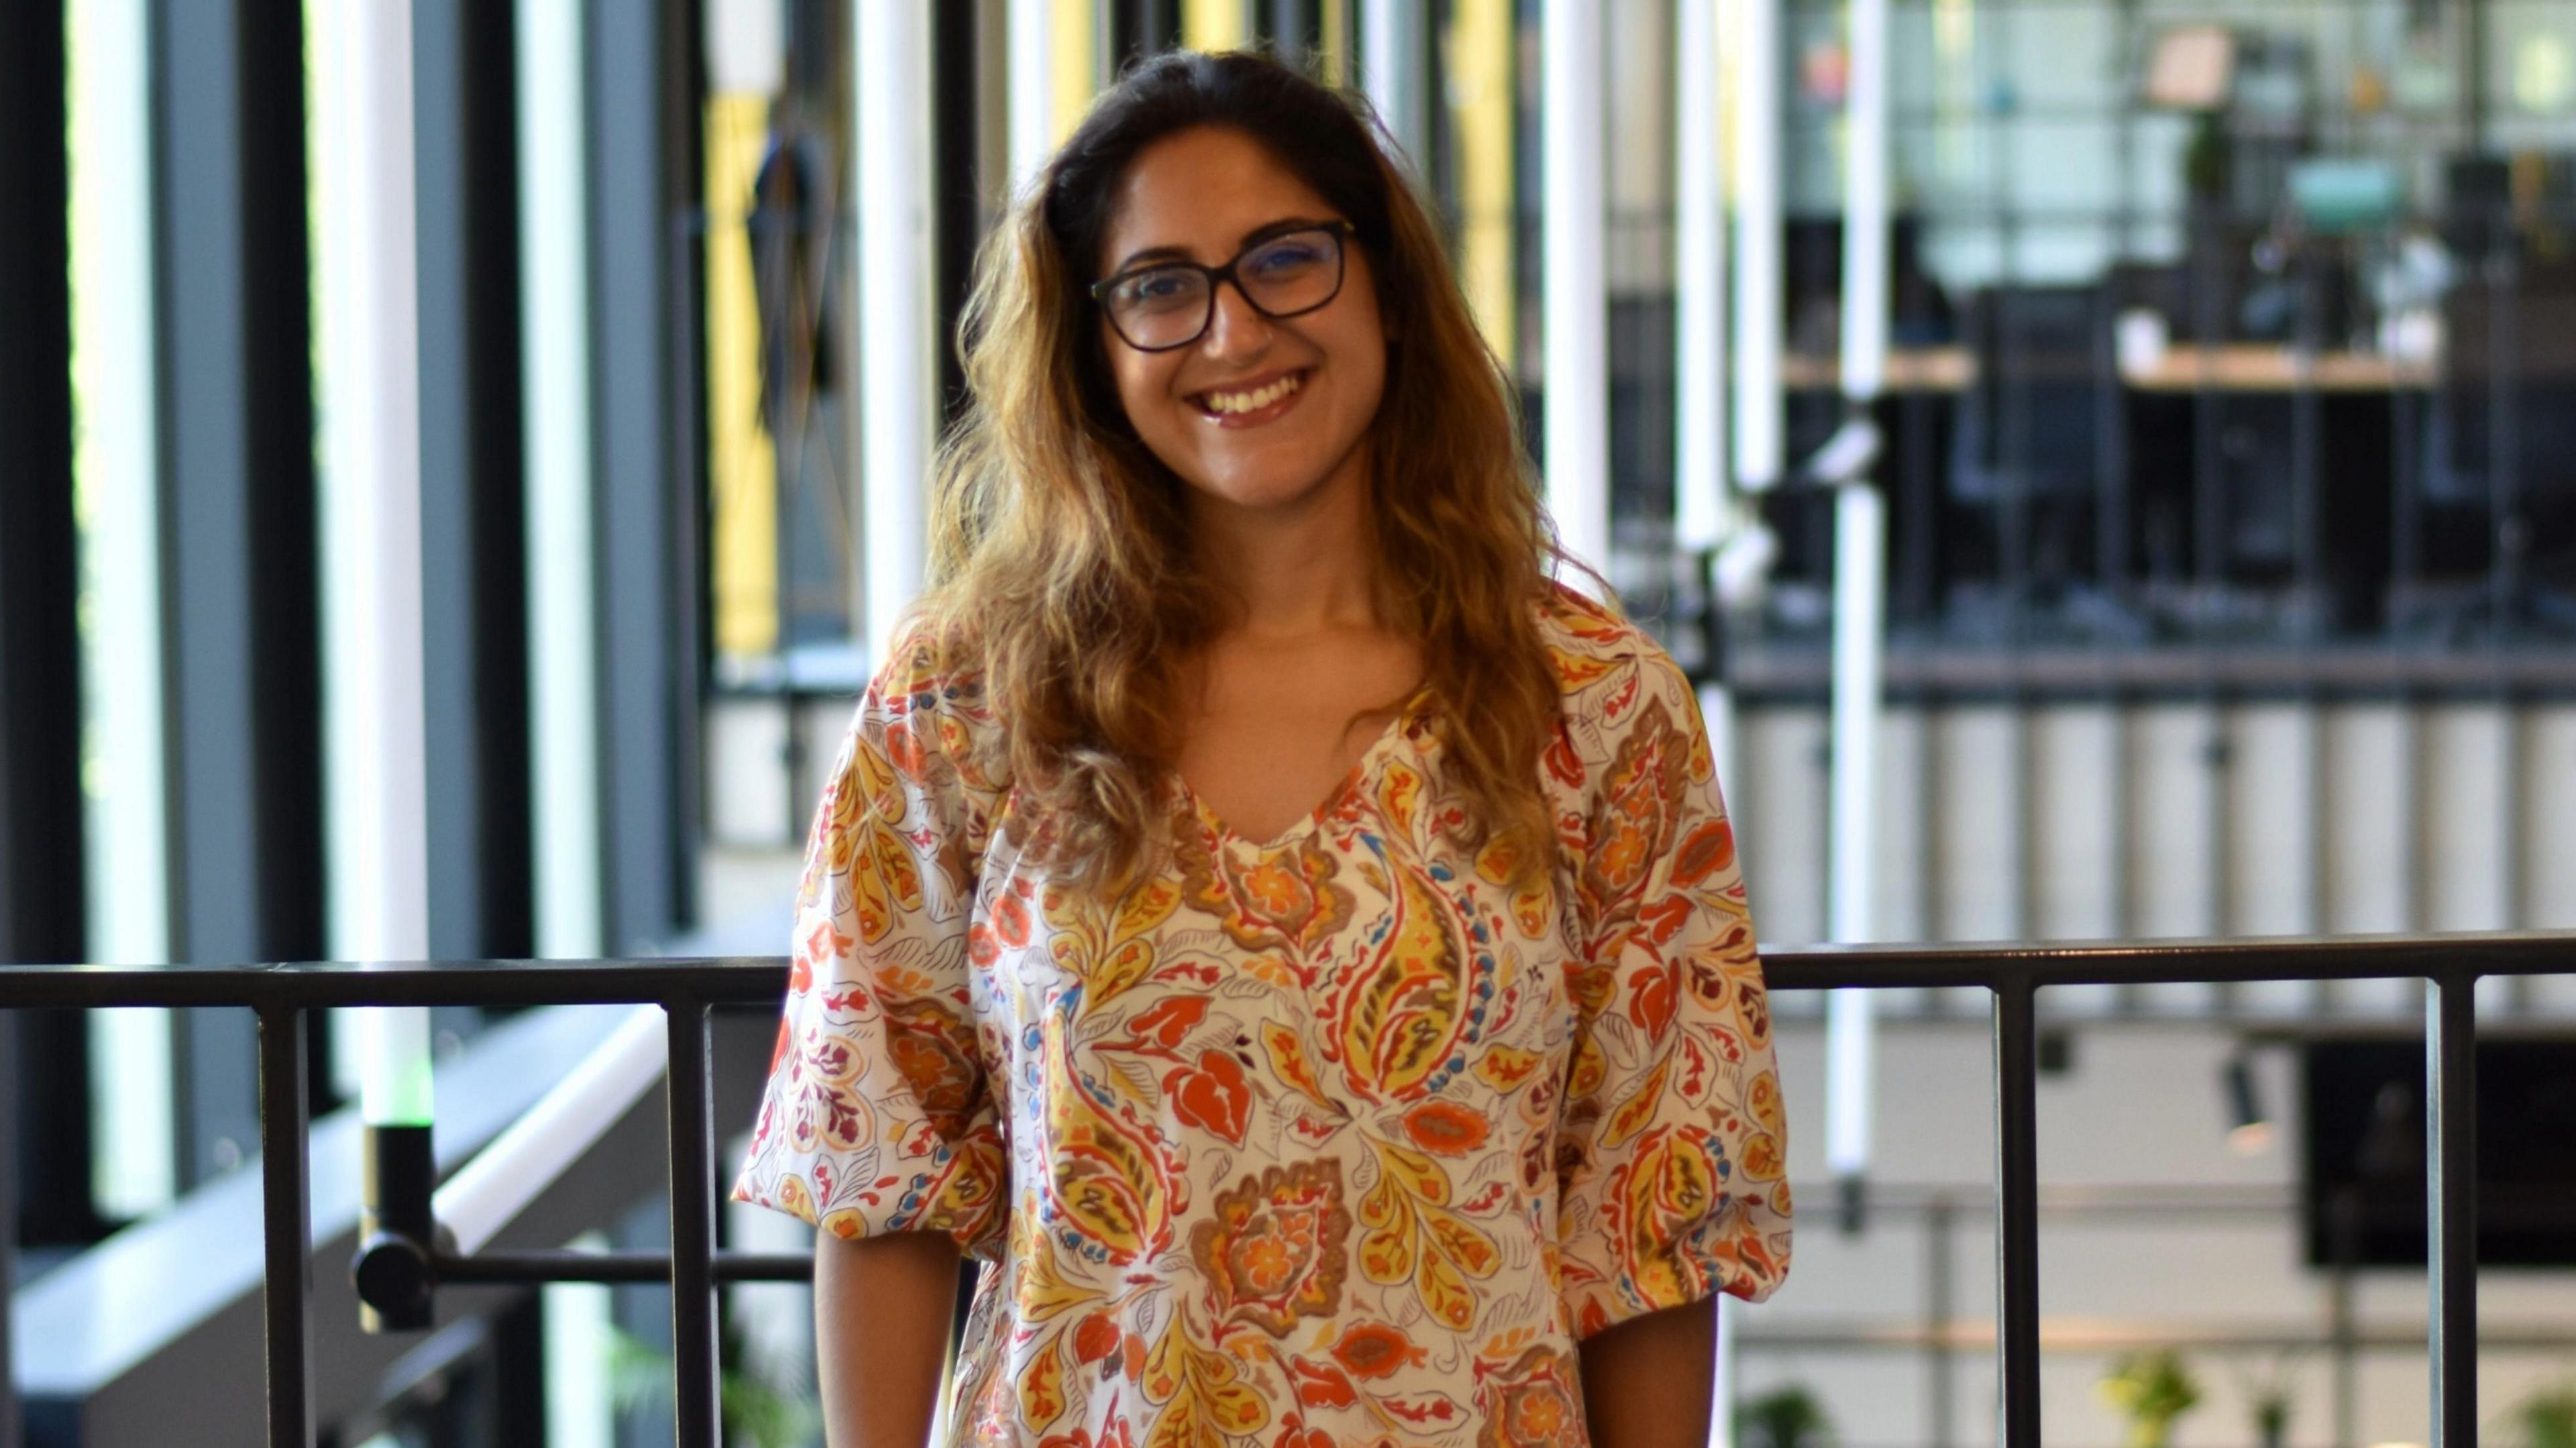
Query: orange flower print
[(1286, 899), (1533, 1403), (1445, 1127), (1275, 1247)]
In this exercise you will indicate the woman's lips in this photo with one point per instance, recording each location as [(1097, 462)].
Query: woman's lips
[(1268, 413)]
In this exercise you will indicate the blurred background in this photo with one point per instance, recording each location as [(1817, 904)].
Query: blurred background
[(491, 436)]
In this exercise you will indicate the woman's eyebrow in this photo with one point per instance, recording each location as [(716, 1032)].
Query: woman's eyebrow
[(1252, 238)]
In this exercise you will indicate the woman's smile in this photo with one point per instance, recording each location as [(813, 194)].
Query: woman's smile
[(1255, 401)]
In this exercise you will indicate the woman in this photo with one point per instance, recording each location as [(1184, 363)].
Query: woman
[(1293, 942)]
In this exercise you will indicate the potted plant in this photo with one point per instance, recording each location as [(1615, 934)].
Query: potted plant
[(2268, 1396), (1787, 1417), (2548, 1417), (2151, 1390)]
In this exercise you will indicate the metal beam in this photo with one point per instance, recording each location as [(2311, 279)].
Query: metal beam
[(897, 283), (643, 178), (238, 544), (556, 306), (40, 794), (473, 571), (1575, 420), (1395, 72), (41, 859)]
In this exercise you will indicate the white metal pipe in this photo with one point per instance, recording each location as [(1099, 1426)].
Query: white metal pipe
[(897, 355), (1699, 370), (554, 320), (125, 815), (1032, 101), (1576, 378), (378, 744), (1860, 550), (1865, 207), (1860, 612), (1758, 303), (515, 1168)]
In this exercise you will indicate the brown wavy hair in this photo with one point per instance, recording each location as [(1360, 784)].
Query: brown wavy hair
[(1060, 552)]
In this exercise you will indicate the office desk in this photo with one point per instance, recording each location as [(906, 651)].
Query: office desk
[(2269, 367), (2256, 367)]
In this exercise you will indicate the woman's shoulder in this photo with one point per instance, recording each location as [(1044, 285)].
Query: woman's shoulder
[(928, 693), (1605, 663)]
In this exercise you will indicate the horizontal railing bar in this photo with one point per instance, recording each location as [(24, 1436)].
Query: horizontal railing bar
[(748, 980), (488, 1268), (1977, 1338), (760, 980)]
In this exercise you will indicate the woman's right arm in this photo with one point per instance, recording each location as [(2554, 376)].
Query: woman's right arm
[(882, 1310)]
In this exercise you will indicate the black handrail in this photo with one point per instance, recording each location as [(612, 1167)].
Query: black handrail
[(688, 989)]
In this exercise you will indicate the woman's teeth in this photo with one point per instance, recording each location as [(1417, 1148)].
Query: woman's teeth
[(1255, 400)]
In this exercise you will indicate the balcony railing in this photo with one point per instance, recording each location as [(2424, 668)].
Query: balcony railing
[(686, 991)]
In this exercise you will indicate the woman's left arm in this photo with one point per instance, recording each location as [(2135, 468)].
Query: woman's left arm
[(1646, 1381)]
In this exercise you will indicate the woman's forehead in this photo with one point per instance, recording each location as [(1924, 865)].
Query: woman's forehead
[(1200, 193)]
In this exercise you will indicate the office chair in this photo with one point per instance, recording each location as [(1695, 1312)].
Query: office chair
[(2488, 535), (2036, 452)]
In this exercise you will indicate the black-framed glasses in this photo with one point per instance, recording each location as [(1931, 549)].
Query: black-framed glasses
[(1166, 304)]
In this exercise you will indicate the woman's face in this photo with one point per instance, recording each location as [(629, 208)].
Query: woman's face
[(1259, 411)]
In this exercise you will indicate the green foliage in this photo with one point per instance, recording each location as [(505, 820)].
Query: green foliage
[(757, 1413), (2548, 1418), (2151, 1390), (1788, 1417)]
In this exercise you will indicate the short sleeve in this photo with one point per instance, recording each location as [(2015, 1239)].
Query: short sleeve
[(878, 1115), (1671, 1141)]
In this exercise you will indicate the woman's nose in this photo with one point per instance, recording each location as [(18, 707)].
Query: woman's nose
[(1236, 328)]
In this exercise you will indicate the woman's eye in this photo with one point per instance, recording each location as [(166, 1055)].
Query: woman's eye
[(1285, 257), (1155, 287)]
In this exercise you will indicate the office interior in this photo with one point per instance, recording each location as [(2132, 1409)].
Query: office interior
[(2222, 413)]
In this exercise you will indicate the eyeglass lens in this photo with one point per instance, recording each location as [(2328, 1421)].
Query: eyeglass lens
[(1169, 306)]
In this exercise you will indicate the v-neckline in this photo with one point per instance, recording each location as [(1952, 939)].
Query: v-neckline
[(1396, 728)]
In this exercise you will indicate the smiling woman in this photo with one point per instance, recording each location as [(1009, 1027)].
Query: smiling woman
[(1296, 942)]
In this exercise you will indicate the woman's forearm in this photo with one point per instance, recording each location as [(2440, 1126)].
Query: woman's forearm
[(1646, 1381), (882, 1309)]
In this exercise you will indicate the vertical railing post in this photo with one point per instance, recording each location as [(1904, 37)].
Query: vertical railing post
[(286, 1204), (693, 1224), (2451, 1187), (11, 1034), (2017, 1212)]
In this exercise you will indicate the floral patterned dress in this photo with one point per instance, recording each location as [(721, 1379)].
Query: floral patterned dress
[(1332, 1139)]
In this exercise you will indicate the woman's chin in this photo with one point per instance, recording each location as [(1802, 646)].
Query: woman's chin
[(1261, 490)]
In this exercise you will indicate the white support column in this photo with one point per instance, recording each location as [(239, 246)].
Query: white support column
[(1866, 222), (1699, 370), (1576, 378), (1860, 613), (125, 806), (1395, 36), (1860, 560), (1031, 43), (897, 324), (367, 239), (562, 527), (1759, 120)]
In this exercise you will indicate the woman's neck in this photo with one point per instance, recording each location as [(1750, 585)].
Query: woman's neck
[(1303, 567)]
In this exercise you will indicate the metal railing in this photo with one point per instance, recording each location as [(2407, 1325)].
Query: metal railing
[(687, 990)]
